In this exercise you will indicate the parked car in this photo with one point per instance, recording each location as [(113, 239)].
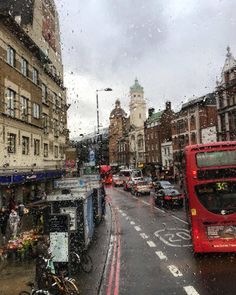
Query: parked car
[(141, 187), (169, 197), (162, 184), (117, 181), (128, 185)]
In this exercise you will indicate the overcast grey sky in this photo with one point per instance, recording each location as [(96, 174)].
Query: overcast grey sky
[(175, 48)]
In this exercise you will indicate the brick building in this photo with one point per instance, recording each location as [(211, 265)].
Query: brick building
[(157, 131), (33, 119), (194, 123), (226, 100)]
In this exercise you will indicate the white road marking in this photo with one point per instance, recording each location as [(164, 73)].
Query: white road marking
[(135, 198), (190, 290), (179, 219), (161, 255), (127, 217), (151, 244), (124, 214), (132, 222), (174, 237), (137, 228), (143, 235), (146, 203), (158, 209), (174, 270)]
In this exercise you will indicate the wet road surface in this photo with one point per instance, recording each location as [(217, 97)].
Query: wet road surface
[(153, 253)]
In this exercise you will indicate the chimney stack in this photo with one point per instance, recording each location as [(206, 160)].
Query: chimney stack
[(150, 112), (168, 105)]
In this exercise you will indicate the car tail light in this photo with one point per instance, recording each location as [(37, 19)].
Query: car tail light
[(167, 197)]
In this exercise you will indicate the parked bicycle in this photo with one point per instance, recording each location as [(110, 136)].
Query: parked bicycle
[(55, 285), (34, 291), (83, 260)]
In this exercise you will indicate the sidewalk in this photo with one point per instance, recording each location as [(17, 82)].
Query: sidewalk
[(15, 275)]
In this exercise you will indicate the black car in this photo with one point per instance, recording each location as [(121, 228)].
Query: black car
[(169, 197), (162, 184)]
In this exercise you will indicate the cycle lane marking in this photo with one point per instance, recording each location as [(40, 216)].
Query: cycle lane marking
[(161, 255), (151, 244), (175, 271), (137, 228), (143, 235), (190, 290)]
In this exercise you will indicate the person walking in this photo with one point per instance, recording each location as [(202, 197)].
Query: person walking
[(14, 220), (3, 223)]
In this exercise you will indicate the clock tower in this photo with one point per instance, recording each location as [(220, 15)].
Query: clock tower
[(137, 105)]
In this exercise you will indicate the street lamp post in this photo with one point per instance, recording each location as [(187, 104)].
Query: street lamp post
[(98, 122)]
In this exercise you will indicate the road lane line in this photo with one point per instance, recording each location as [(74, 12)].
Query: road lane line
[(132, 222), (146, 203), (123, 214), (127, 217), (161, 255), (190, 290), (143, 235), (151, 244), (117, 275), (113, 262), (179, 219), (137, 228), (175, 271)]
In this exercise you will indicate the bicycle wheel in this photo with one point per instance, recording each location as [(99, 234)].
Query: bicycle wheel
[(86, 263), (71, 287)]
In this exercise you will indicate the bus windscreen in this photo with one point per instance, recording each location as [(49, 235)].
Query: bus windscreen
[(216, 158)]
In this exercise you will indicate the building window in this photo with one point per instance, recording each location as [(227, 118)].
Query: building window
[(11, 148), (24, 108), (24, 67), (45, 150), (10, 102), (25, 145), (11, 56), (56, 128), (56, 151), (45, 119), (35, 76), (36, 147), (44, 93), (36, 111)]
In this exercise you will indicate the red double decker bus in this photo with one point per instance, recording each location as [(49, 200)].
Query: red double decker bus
[(210, 182)]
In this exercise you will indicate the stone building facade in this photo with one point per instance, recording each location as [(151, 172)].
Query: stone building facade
[(138, 115), (33, 108), (226, 100), (118, 120)]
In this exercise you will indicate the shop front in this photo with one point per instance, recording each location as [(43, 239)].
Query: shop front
[(26, 187)]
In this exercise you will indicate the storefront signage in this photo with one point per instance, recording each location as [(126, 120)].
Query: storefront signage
[(67, 183)]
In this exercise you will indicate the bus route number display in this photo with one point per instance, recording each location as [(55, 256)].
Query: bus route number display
[(221, 186)]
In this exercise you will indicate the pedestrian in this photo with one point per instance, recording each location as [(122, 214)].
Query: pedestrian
[(14, 220), (3, 223), (12, 203), (21, 208)]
